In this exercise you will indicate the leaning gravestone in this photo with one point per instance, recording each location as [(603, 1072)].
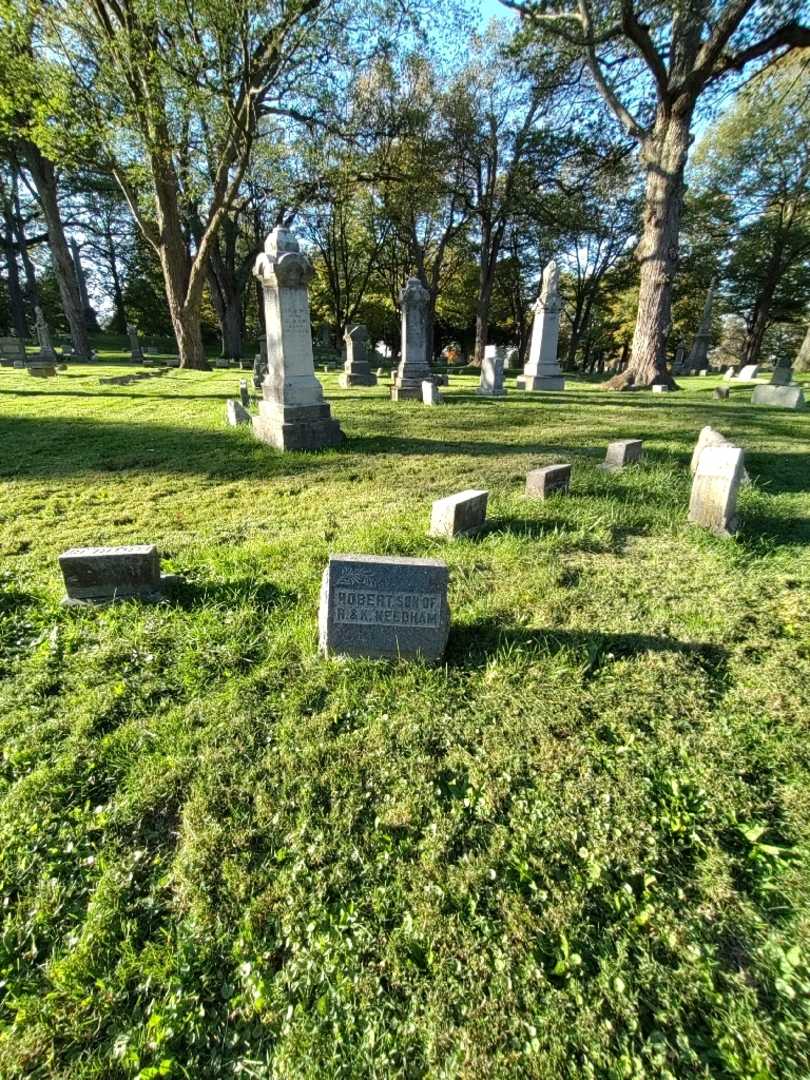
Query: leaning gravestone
[(380, 606), (782, 397), (414, 368), (430, 393), (101, 574), (620, 453), (542, 371), (491, 384), (748, 373), (553, 479), (356, 370), (722, 393), (459, 515), (710, 437), (293, 414), (713, 502), (135, 345)]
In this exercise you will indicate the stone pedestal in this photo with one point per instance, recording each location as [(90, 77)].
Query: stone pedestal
[(414, 368), (356, 370), (491, 384), (292, 413), (46, 349), (542, 370)]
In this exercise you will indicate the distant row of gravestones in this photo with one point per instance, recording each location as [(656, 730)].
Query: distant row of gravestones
[(392, 607)]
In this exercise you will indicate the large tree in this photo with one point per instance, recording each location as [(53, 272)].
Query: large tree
[(176, 95), (757, 159), (652, 63)]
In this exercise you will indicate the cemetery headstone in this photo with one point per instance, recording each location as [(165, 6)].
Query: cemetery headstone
[(222, 362), (709, 437), (542, 370), (244, 393), (550, 480), (713, 501), (730, 372), (748, 373), (102, 574), (413, 368), (782, 375), (356, 370), (459, 515), (620, 453), (293, 414), (134, 345), (384, 607), (46, 349), (679, 364), (236, 413), (430, 393), (699, 356), (781, 397), (722, 393), (11, 349), (511, 359), (661, 388), (491, 384)]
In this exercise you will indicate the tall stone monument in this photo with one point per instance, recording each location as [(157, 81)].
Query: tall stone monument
[(134, 344), (46, 349), (292, 413), (414, 368), (90, 320), (699, 356), (542, 370), (356, 371)]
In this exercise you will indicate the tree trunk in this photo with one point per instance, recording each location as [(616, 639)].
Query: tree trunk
[(664, 155), (762, 306), (16, 302), (486, 277), (119, 319), (44, 176), (232, 329)]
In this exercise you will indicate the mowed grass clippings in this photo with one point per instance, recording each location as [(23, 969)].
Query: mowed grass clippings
[(578, 848)]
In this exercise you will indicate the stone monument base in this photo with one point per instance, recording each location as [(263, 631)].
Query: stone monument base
[(355, 378), (540, 382), (407, 392), (301, 427)]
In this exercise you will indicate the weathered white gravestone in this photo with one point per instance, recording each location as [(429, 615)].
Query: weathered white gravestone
[(356, 370), (414, 367), (748, 373), (491, 384), (783, 397), (430, 393), (713, 502), (292, 413), (134, 344), (376, 606), (459, 515), (542, 370), (510, 360)]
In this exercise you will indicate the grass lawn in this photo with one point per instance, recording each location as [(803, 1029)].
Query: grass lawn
[(579, 848)]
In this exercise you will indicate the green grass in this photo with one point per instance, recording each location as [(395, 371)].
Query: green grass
[(578, 848)]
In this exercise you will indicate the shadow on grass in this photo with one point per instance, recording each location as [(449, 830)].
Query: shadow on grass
[(48, 447), (190, 593), (473, 646)]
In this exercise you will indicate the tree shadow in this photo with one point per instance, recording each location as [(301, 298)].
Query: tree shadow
[(474, 645), (45, 446)]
